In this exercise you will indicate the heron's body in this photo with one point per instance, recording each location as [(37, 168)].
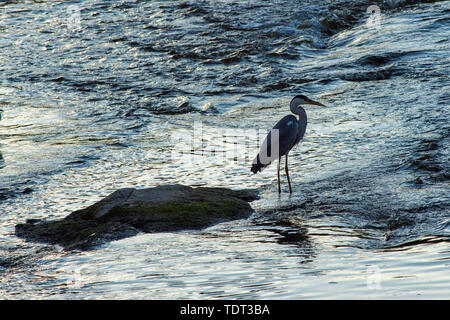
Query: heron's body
[(289, 131)]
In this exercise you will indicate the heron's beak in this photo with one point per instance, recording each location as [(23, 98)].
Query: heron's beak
[(315, 103)]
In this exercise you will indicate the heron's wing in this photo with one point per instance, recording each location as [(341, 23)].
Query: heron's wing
[(287, 131)]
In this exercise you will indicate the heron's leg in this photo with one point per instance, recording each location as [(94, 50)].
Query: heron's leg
[(287, 173), (278, 174)]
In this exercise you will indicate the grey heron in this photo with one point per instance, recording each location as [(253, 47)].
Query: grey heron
[(283, 137)]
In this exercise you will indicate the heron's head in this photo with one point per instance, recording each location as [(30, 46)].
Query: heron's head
[(301, 99)]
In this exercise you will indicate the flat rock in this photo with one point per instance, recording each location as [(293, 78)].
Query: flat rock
[(128, 211)]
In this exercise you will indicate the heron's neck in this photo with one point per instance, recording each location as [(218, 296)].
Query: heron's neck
[(300, 112)]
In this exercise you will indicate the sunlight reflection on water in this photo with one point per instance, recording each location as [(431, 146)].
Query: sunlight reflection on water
[(370, 178)]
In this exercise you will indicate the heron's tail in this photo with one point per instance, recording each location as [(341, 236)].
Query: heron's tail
[(257, 166)]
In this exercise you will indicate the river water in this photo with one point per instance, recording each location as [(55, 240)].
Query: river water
[(100, 95)]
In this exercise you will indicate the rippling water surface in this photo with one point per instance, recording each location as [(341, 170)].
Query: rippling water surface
[(100, 95)]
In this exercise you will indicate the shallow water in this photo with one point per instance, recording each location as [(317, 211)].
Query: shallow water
[(139, 94)]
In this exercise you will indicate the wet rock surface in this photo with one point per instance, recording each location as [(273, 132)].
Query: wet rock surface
[(128, 211)]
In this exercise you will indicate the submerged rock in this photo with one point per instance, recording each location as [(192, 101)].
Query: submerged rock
[(185, 107), (128, 211)]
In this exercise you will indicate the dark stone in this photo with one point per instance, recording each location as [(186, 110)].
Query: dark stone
[(128, 211), (27, 190), (185, 107)]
